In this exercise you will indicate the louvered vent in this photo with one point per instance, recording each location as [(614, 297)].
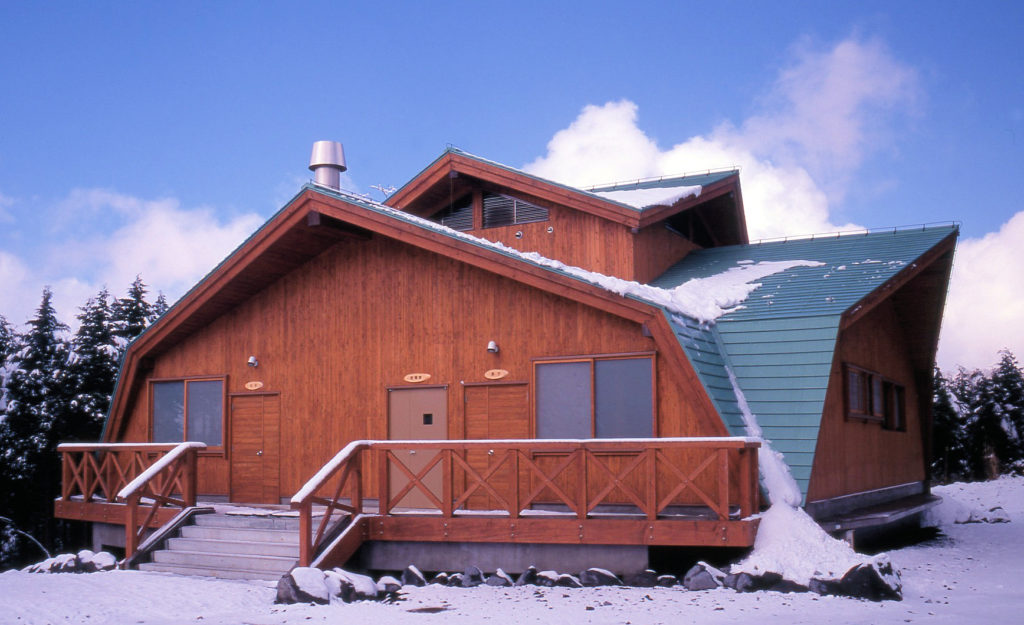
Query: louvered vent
[(503, 210), (457, 217)]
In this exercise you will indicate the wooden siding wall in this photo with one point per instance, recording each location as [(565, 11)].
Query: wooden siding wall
[(583, 240), (333, 334), (853, 455)]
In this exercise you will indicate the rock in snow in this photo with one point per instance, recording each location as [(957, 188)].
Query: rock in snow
[(500, 578), (412, 576), (303, 584), (703, 576), (84, 561), (599, 577)]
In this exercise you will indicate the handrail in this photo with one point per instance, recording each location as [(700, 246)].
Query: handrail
[(158, 466), (576, 474)]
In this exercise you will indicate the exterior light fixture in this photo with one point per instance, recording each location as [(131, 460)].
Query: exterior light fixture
[(252, 362), (492, 347)]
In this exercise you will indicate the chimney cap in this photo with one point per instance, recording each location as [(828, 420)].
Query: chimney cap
[(327, 154)]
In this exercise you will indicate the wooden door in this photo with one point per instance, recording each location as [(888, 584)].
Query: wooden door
[(255, 454), (495, 411), (417, 414)]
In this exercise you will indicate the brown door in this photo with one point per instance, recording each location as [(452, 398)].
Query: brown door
[(495, 411), (417, 414), (255, 455)]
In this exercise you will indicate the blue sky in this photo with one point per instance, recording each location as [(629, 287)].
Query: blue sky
[(137, 137)]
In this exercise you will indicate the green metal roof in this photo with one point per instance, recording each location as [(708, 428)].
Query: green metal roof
[(779, 344)]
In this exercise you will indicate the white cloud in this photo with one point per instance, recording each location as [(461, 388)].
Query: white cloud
[(985, 304), (824, 115), (820, 119), (171, 247)]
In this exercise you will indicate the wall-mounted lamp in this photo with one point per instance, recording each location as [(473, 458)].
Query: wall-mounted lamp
[(492, 347), (252, 362)]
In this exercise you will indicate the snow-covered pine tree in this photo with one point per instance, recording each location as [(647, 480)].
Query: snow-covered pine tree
[(92, 371), (7, 344), (36, 403), (986, 440), (949, 452), (160, 306), (131, 314), (1008, 388)]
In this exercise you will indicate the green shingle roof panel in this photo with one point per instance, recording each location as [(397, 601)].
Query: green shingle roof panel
[(780, 342)]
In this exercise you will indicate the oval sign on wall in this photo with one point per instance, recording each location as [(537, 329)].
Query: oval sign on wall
[(253, 386), (416, 378), (495, 374)]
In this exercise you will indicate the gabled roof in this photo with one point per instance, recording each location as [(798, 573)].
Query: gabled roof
[(319, 217), (779, 344), (437, 185)]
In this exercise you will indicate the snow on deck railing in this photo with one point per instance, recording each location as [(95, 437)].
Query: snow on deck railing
[(325, 471), (158, 466)]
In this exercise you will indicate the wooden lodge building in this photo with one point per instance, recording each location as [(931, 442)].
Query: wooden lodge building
[(401, 378)]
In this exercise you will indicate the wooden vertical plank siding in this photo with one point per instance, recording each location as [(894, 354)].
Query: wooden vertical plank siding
[(330, 356)]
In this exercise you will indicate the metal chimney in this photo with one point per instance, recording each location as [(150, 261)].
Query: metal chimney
[(327, 162)]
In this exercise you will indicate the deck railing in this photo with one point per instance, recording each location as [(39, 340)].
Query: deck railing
[(147, 477), (634, 486)]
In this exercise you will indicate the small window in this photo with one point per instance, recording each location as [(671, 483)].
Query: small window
[(895, 409), (872, 397), (188, 410), (505, 210)]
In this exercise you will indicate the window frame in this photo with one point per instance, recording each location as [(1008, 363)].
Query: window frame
[(879, 399), (592, 359), (211, 450)]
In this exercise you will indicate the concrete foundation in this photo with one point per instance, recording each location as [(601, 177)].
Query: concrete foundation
[(106, 535), (511, 557)]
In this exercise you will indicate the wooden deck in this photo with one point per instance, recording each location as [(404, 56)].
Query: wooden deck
[(670, 491)]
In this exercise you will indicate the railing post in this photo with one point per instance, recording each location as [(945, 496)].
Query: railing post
[(383, 496), (131, 542), (746, 488), (514, 496), (723, 484), (447, 480), (191, 477), (65, 484), (652, 483), (306, 533), (584, 496), (357, 495)]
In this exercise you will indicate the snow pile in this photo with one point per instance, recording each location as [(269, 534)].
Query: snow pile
[(791, 544), (642, 198)]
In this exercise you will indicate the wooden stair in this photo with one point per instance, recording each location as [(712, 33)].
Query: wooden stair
[(230, 546)]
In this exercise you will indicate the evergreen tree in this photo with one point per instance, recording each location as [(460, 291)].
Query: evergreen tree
[(1008, 391), (7, 346), (160, 306), (132, 313), (92, 371), (949, 451), (36, 407)]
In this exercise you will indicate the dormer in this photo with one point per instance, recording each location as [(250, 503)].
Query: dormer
[(633, 230)]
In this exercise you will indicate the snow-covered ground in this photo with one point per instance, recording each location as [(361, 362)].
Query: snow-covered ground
[(971, 574)]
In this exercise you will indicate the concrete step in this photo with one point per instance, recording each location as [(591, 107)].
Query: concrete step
[(278, 565), (238, 547), (240, 534), (247, 521), (199, 571)]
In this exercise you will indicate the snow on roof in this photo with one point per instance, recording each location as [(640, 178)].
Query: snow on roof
[(704, 299), (643, 198)]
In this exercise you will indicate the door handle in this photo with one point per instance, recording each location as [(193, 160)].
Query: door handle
[(259, 453)]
